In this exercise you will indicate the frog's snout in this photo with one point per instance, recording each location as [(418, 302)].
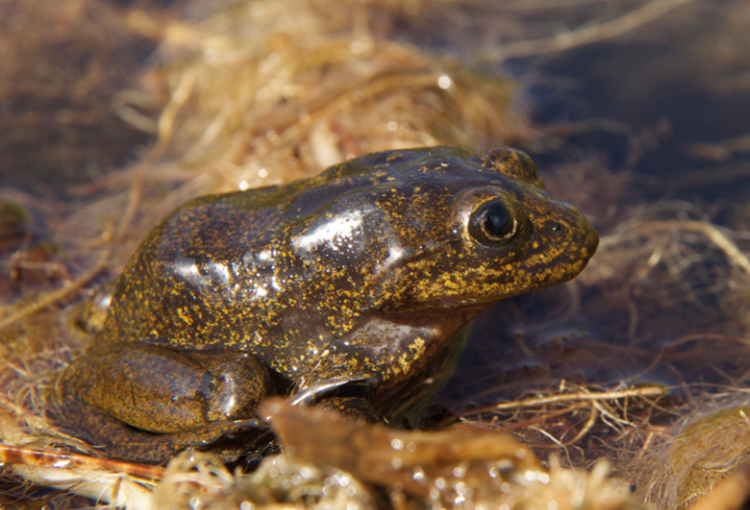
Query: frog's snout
[(564, 241), (589, 238), (573, 230)]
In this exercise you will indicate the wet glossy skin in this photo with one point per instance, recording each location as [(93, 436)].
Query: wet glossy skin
[(358, 280)]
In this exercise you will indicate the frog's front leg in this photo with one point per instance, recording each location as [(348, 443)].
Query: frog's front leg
[(161, 390)]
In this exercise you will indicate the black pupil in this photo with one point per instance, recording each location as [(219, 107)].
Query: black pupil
[(492, 223), (496, 221)]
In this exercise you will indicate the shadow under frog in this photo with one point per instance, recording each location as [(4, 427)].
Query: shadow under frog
[(358, 278)]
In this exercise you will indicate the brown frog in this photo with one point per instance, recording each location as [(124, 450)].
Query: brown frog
[(347, 289)]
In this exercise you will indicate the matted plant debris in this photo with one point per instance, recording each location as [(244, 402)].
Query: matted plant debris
[(624, 389)]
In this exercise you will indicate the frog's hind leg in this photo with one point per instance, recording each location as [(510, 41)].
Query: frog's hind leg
[(146, 402), (115, 439)]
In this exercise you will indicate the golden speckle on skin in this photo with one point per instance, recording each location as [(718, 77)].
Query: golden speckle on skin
[(414, 354), (185, 316)]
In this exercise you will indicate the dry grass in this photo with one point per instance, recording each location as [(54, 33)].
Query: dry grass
[(642, 361)]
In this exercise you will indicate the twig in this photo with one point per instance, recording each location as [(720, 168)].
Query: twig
[(654, 391), (713, 233), (18, 455), (586, 35), (57, 295)]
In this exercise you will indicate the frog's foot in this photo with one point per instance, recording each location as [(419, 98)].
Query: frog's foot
[(115, 439)]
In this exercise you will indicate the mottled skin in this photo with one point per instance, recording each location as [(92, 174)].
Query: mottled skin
[(363, 274)]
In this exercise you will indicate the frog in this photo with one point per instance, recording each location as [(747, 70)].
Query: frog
[(348, 290)]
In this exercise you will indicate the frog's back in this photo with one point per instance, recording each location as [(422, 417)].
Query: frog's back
[(221, 262), (189, 264), (220, 269)]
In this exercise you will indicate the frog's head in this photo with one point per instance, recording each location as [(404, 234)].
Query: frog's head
[(477, 228)]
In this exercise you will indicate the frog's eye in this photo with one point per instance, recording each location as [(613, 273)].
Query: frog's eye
[(492, 223)]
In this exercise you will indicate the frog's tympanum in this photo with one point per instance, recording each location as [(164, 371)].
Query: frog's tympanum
[(347, 289)]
